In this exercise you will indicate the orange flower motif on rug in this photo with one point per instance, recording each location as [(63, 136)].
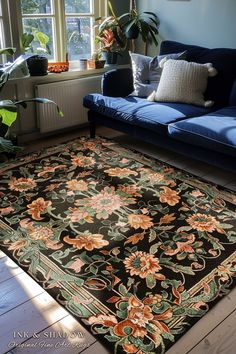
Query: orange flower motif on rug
[(140, 221), (89, 242), (37, 207), (21, 184)]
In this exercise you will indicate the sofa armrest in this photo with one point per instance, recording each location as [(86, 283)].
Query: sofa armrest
[(117, 82)]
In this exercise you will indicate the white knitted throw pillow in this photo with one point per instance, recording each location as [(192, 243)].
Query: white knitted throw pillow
[(182, 81)]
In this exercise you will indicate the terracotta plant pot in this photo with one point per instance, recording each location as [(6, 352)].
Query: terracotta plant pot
[(95, 64)]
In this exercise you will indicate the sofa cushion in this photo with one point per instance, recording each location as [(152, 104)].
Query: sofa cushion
[(223, 59), (140, 112), (147, 72), (232, 99), (183, 81), (215, 131), (113, 82)]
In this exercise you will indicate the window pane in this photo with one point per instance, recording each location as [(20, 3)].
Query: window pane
[(79, 37), (78, 6), (32, 25), (36, 6)]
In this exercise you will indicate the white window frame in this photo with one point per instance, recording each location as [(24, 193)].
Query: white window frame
[(5, 36), (13, 26), (2, 35)]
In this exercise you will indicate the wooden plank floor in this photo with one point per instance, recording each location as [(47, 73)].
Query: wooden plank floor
[(31, 321)]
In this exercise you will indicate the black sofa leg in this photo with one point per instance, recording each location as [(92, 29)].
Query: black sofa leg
[(92, 129)]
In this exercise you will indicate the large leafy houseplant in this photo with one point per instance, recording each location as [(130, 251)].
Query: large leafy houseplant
[(115, 31), (9, 108), (110, 34), (144, 24), (37, 63)]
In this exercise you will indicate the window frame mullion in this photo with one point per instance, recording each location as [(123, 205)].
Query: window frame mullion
[(13, 26), (60, 30)]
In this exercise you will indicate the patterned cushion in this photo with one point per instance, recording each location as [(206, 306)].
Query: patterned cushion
[(184, 82)]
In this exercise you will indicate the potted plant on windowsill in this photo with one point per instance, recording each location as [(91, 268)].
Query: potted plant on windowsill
[(96, 61), (111, 37), (37, 63)]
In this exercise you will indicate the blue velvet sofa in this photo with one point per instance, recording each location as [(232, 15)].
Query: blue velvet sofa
[(206, 134)]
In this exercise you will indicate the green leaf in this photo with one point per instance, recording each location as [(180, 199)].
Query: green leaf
[(3, 79), (7, 146), (112, 338), (8, 51), (93, 269), (8, 115), (102, 330), (122, 313), (169, 336), (226, 226), (40, 100), (153, 249), (26, 40), (176, 267), (123, 305), (151, 281), (122, 290), (152, 235), (66, 295), (42, 38), (184, 228)]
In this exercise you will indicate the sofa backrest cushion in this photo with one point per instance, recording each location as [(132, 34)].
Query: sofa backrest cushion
[(223, 59), (147, 73), (232, 99), (117, 82), (183, 81)]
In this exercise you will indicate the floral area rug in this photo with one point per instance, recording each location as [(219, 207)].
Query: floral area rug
[(134, 249)]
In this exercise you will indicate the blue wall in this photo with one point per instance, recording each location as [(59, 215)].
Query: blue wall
[(210, 23)]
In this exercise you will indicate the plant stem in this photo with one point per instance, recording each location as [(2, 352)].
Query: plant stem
[(132, 5)]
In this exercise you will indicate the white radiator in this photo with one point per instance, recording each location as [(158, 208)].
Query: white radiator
[(69, 97)]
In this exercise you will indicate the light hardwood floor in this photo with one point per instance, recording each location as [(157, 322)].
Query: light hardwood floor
[(26, 307)]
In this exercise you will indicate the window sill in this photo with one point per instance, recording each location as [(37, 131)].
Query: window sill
[(68, 75)]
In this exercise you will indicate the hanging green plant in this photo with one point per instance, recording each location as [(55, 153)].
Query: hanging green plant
[(145, 24)]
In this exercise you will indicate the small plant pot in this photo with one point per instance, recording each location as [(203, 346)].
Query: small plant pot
[(95, 64), (83, 64), (37, 65)]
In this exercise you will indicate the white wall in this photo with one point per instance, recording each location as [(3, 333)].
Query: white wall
[(209, 23)]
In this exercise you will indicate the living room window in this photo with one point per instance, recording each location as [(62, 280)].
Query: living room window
[(69, 24)]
